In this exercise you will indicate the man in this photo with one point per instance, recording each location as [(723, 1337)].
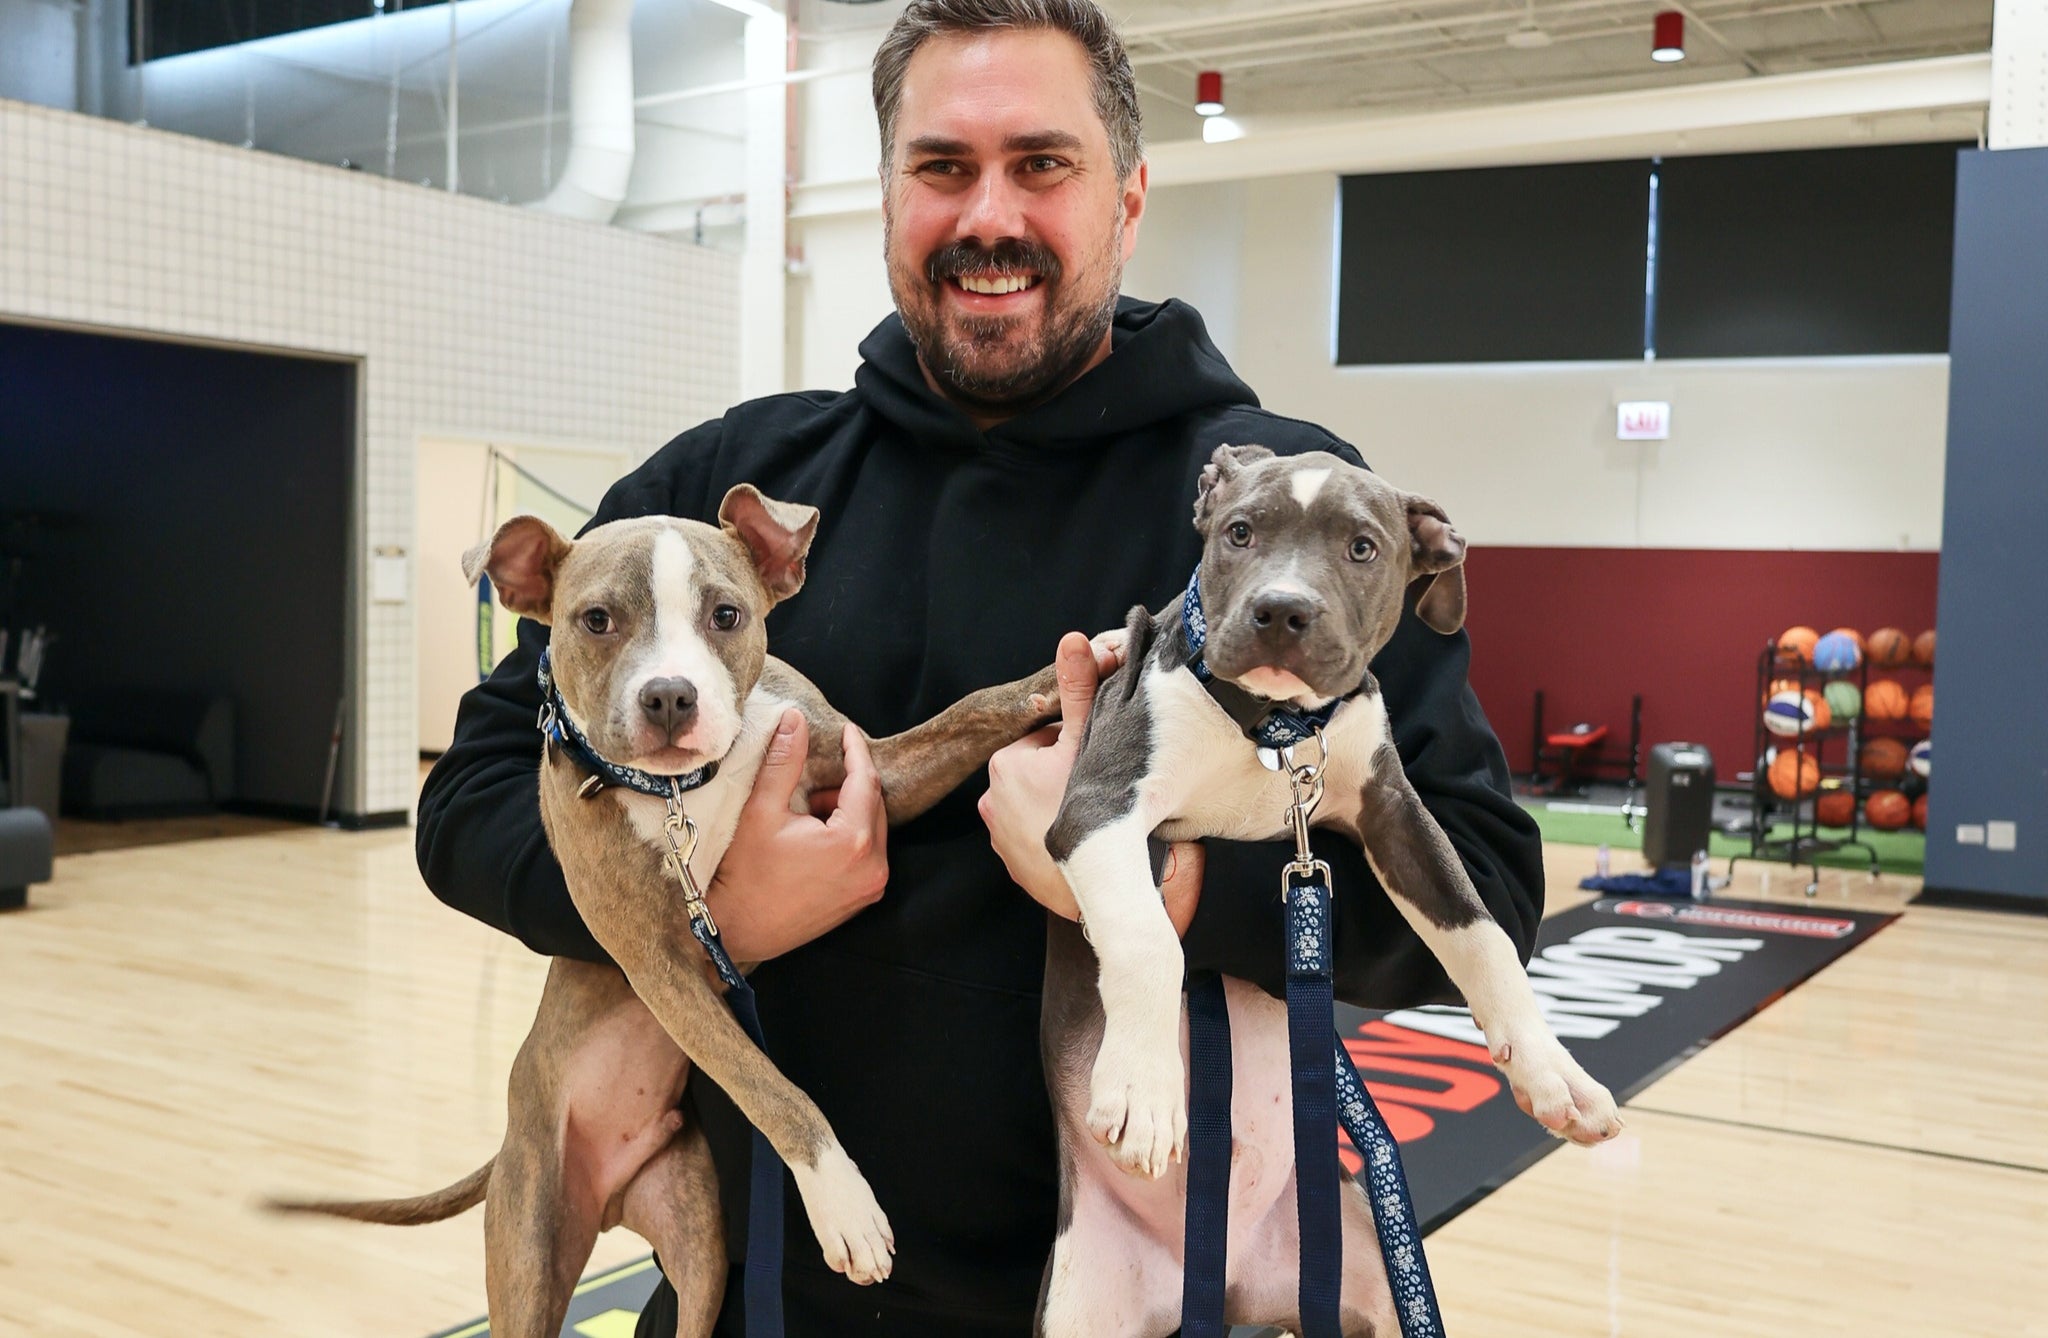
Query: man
[(1016, 461)]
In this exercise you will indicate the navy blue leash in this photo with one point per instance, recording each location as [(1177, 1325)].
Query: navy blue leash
[(1325, 1092), (762, 1285)]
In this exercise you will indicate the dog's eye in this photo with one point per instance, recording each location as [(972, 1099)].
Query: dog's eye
[(1239, 533), (597, 621), (725, 617), (1363, 549)]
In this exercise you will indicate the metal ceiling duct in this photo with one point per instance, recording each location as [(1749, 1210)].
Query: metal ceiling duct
[(600, 162)]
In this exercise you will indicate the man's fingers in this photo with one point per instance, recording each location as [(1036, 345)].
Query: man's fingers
[(782, 766), (860, 794), (1075, 668)]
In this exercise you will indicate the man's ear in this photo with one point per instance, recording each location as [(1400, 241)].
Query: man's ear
[(1436, 554), (521, 559), (777, 535), (1225, 464)]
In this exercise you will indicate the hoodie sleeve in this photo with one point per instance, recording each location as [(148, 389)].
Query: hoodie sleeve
[(480, 844), (1460, 773)]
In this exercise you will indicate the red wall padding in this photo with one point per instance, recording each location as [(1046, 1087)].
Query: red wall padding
[(1591, 626)]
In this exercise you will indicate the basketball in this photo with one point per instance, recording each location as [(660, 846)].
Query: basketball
[(1790, 714), (1796, 645), (1884, 759), (1923, 704), (1794, 775), (1855, 637), (1779, 685), (1834, 808), (1885, 700), (1921, 759), (1835, 653), (1888, 810), (1923, 649), (1920, 812), (1889, 648), (1844, 699), (1817, 707)]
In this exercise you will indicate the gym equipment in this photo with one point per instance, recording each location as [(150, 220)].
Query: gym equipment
[(1564, 761), (1678, 804)]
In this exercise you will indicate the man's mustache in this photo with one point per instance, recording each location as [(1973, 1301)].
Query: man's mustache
[(968, 260)]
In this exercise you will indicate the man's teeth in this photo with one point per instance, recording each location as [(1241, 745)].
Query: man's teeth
[(995, 287)]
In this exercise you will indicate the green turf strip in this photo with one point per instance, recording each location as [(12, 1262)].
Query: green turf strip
[(1897, 852)]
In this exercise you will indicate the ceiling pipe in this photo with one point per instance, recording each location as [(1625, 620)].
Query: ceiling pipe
[(600, 162)]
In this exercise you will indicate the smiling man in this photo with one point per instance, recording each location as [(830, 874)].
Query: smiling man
[(1017, 460)]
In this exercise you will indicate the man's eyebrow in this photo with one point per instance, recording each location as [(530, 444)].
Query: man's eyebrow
[(1036, 141)]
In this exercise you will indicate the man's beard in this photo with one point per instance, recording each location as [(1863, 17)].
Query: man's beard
[(973, 358)]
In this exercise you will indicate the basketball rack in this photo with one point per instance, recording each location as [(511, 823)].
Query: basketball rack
[(1804, 844)]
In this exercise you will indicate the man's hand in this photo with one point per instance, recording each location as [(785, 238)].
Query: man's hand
[(1027, 780), (789, 877)]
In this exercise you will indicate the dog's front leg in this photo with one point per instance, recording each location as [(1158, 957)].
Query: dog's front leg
[(1416, 864), (1137, 1094)]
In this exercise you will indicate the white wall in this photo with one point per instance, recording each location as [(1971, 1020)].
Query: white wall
[(1795, 453), (469, 319)]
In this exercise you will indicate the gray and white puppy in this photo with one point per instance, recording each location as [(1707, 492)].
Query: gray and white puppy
[(1304, 573)]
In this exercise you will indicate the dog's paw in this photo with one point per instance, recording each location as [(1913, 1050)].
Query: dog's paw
[(1551, 1088), (1138, 1110), (849, 1224)]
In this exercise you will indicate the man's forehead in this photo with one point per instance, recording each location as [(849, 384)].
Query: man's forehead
[(1008, 91)]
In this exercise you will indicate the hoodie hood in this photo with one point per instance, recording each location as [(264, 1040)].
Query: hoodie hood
[(1161, 366)]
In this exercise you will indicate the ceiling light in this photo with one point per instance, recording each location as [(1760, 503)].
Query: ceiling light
[(1209, 93), (1668, 45), (1221, 130)]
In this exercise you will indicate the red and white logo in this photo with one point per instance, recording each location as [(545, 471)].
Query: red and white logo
[(1728, 917)]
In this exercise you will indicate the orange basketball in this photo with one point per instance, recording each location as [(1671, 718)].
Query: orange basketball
[(1834, 808), (1795, 646), (1779, 685), (1923, 649), (1923, 705), (1884, 759), (1920, 812), (1794, 775), (1889, 648), (1888, 810), (1885, 700), (1853, 635), (1817, 706)]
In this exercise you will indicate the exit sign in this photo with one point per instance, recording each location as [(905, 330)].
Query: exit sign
[(1642, 420)]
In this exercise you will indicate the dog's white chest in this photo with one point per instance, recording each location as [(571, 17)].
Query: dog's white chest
[(1206, 778), (715, 808)]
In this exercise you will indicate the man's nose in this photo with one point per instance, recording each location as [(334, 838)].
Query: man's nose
[(995, 209), (670, 703)]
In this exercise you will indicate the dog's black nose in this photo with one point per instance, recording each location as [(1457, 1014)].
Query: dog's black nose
[(669, 702), (1283, 616)]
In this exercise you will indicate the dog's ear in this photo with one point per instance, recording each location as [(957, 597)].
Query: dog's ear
[(1436, 555), (777, 535), (521, 559), (1224, 465)]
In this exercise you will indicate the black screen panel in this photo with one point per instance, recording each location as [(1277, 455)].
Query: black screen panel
[(1504, 264), (1801, 254)]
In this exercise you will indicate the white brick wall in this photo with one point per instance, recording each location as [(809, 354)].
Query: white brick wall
[(470, 319)]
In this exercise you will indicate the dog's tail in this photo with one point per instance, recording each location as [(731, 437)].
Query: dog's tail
[(461, 1196)]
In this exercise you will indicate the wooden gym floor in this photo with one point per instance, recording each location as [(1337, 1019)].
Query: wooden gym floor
[(185, 1028)]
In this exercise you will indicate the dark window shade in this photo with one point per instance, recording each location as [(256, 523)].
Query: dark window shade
[(1829, 251), (1506, 264), (174, 27)]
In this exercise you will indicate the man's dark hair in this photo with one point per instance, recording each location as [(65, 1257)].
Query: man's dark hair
[(1116, 88)]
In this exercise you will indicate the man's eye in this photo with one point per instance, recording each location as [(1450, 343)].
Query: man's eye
[(597, 622), (1363, 549), (1043, 164), (1239, 533), (725, 617)]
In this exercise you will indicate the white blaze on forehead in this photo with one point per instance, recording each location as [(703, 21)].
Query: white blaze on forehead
[(1307, 483), (676, 647)]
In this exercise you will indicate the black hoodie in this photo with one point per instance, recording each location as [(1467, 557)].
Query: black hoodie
[(950, 558)]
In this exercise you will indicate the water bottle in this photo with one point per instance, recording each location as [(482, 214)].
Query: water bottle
[(1600, 865), (1699, 875)]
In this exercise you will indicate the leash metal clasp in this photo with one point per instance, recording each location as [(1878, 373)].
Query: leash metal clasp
[(1305, 781), (680, 831)]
